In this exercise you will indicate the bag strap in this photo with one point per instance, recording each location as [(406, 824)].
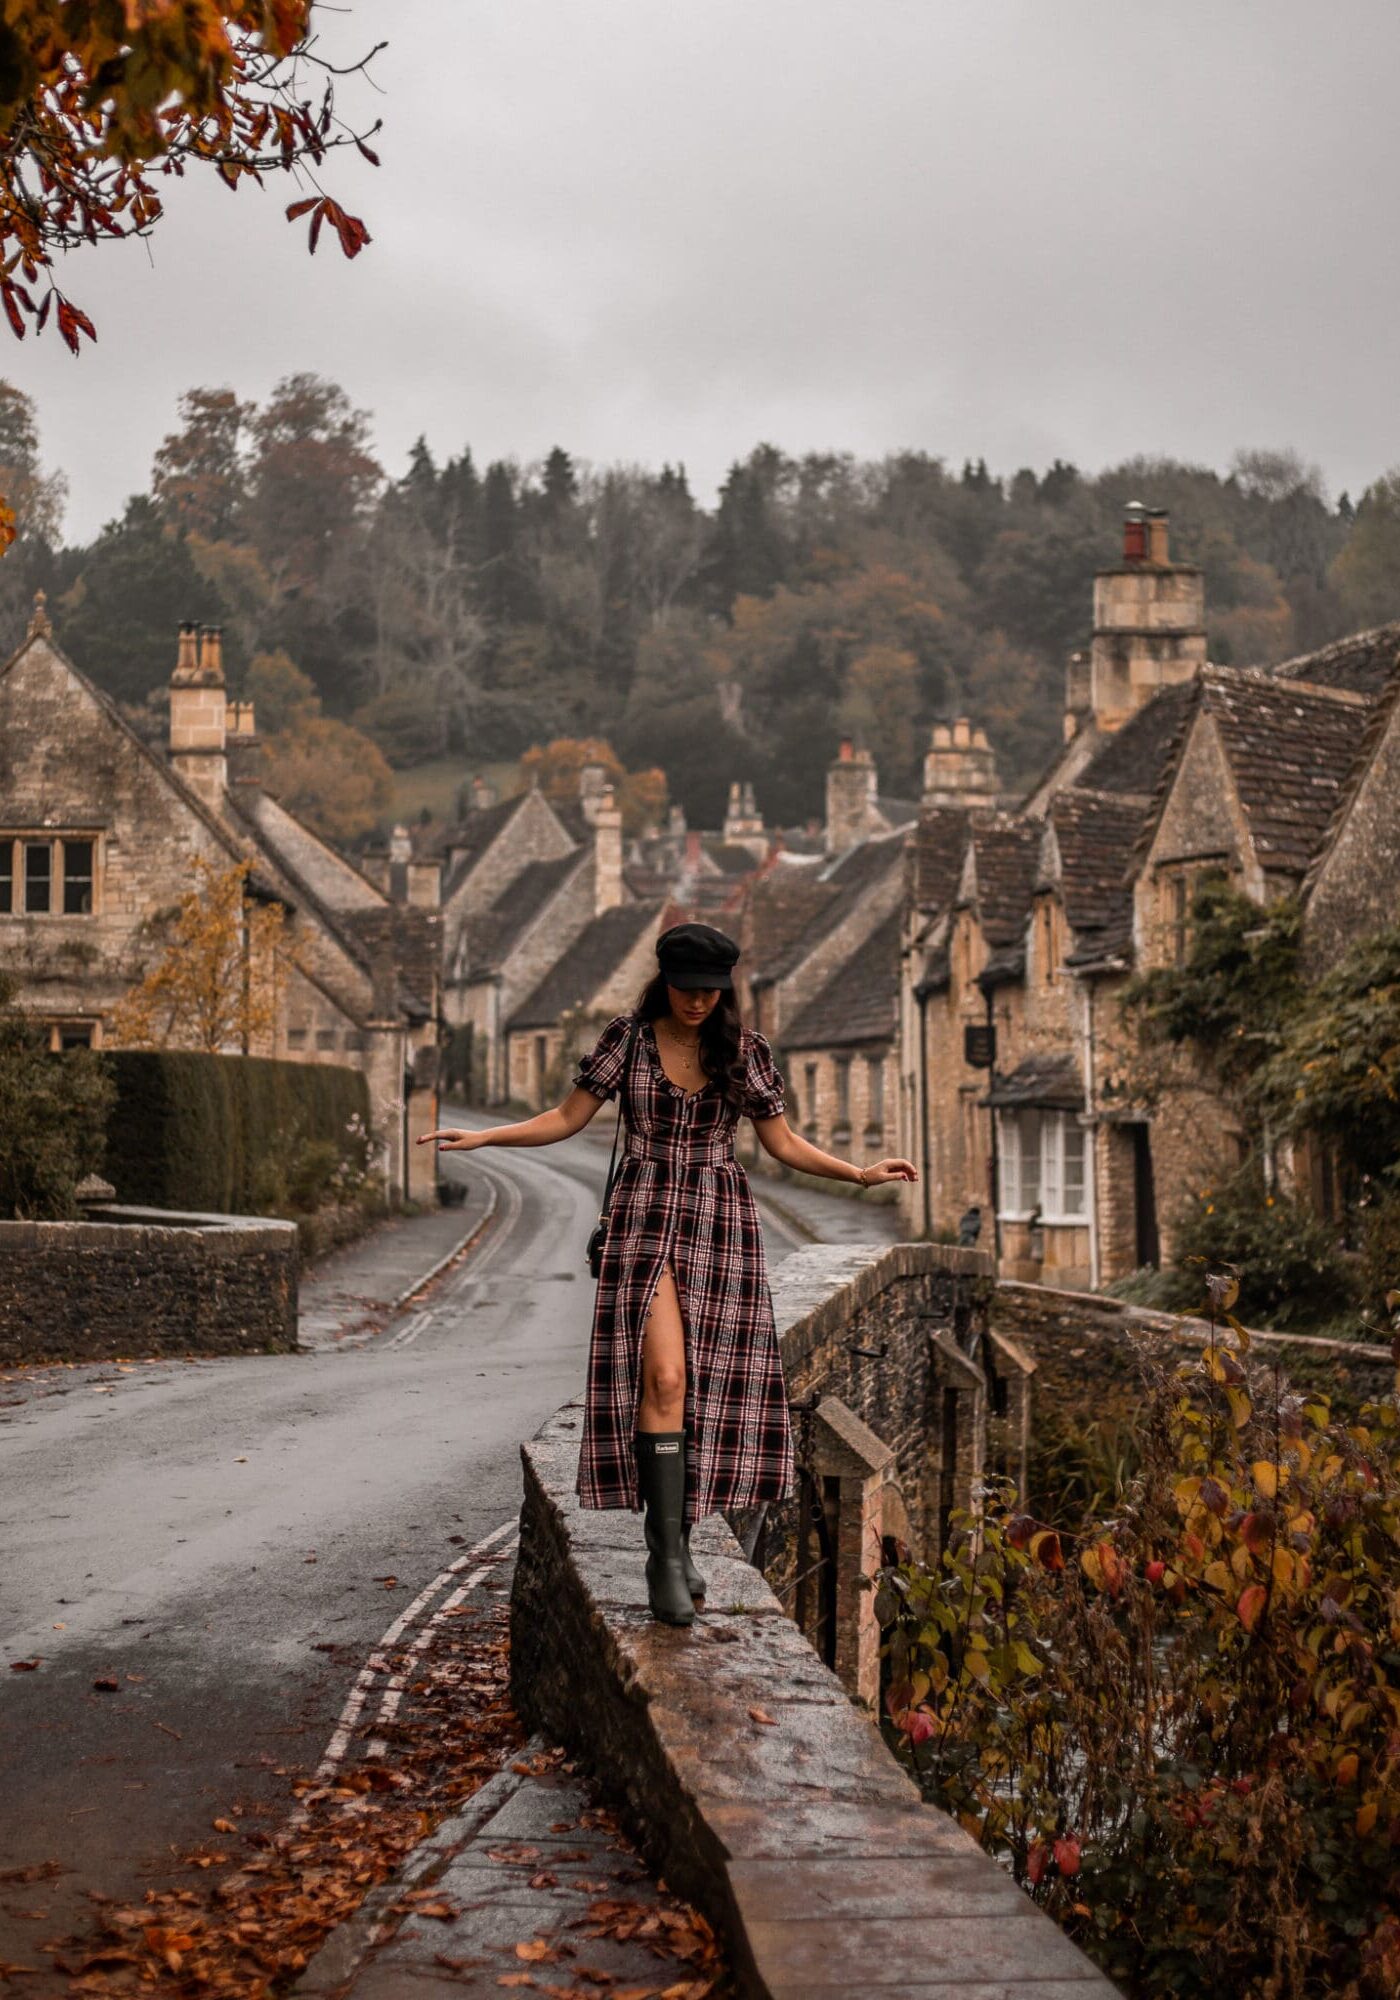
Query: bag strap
[(626, 1066)]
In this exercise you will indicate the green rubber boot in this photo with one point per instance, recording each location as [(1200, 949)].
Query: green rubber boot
[(695, 1583), (661, 1483)]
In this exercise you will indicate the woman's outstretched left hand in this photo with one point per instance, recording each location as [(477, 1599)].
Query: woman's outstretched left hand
[(450, 1140), (889, 1170)]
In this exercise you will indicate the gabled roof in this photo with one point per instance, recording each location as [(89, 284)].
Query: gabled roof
[(1377, 728), (730, 858), (1131, 760), (591, 960), (804, 916), (1005, 850), (41, 635), (936, 856), (859, 1003), (1362, 663), (1095, 836), (492, 936), (473, 834), (1291, 749), (360, 917)]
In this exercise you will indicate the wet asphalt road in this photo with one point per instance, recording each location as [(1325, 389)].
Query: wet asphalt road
[(196, 1529)]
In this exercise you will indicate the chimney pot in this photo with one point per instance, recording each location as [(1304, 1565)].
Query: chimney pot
[(1135, 532), (962, 733), (847, 750), (1158, 550), (942, 736), (211, 651), (187, 658)]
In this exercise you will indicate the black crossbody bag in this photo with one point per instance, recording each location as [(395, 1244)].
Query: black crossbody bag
[(594, 1251)]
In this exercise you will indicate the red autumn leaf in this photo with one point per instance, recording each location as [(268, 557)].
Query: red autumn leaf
[(107, 1684), (1067, 1854), (919, 1726), (294, 210), (1036, 1862), (1252, 1602), (1045, 1548), (762, 1715), (26, 1666)]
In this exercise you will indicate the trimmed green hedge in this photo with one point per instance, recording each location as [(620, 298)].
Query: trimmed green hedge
[(210, 1133)]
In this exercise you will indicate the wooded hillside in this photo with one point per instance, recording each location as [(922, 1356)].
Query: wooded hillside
[(475, 610)]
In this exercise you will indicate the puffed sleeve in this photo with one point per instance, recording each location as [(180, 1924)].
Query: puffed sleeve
[(763, 1080), (600, 1071)]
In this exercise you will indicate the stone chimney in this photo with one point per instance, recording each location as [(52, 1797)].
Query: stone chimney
[(198, 714), (743, 822), (959, 766), (675, 821), (1149, 622), (606, 821), (593, 786), (242, 745), (483, 793), (850, 797)]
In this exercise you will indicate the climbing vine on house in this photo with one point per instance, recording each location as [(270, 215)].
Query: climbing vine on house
[(1294, 1056), (1181, 1727)]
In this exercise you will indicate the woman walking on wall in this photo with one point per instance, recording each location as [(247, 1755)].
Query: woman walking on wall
[(686, 1412)]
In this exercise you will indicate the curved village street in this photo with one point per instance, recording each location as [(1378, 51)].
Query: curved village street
[(196, 1530)]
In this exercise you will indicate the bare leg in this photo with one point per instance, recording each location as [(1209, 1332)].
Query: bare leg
[(663, 1360)]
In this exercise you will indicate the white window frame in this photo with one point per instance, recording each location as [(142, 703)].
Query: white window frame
[(1043, 1165)]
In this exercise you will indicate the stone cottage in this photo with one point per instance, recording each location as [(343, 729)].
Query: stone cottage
[(99, 837), (1021, 929)]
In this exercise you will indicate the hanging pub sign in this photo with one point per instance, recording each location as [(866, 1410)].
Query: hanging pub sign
[(979, 1045)]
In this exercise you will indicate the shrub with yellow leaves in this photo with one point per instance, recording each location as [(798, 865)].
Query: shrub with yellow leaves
[(1181, 1728)]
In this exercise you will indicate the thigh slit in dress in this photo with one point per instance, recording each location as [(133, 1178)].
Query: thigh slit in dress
[(681, 1197)]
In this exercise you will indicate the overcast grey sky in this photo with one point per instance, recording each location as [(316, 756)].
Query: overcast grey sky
[(669, 229)]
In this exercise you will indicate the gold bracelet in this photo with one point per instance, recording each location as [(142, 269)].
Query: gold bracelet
[(860, 1176)]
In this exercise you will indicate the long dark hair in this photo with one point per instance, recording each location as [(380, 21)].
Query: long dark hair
[(720, 1055)]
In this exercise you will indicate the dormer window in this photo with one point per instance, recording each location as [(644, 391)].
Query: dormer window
[(47, 875)]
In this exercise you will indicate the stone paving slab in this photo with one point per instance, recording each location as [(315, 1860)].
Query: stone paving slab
[(366, 1281), (536, 1864)]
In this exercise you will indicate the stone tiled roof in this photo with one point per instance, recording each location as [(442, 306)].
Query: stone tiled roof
[(590, 961), (1291, 749), (1049, 1082), (329, 876), (1377, 728), (782, 905), (730, 858), (1096, 834), (474, 833), (859, 1003), (809, 915), (1005, 852), (493, 935), (936, 856), (1134, 757), (1362, 663), (355, 912)]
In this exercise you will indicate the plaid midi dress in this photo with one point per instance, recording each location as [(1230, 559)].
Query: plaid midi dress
[(681, 1197)]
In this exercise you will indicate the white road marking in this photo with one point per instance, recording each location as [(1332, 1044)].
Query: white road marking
[(412, 1329), (393, 1693), (376, 1664)]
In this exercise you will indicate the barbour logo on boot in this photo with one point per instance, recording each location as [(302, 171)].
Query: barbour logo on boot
[(660, 1448)]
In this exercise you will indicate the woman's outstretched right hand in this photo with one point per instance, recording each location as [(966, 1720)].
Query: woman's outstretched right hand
[(450, 1140)]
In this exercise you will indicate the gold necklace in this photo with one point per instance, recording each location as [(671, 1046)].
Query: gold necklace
[(687, 1048)]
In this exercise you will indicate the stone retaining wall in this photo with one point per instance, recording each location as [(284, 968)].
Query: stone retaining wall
[(749, 1780), (133, 1281), (1088, 1348)]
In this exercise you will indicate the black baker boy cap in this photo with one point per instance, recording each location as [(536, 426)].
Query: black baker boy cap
[(696, 957)]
